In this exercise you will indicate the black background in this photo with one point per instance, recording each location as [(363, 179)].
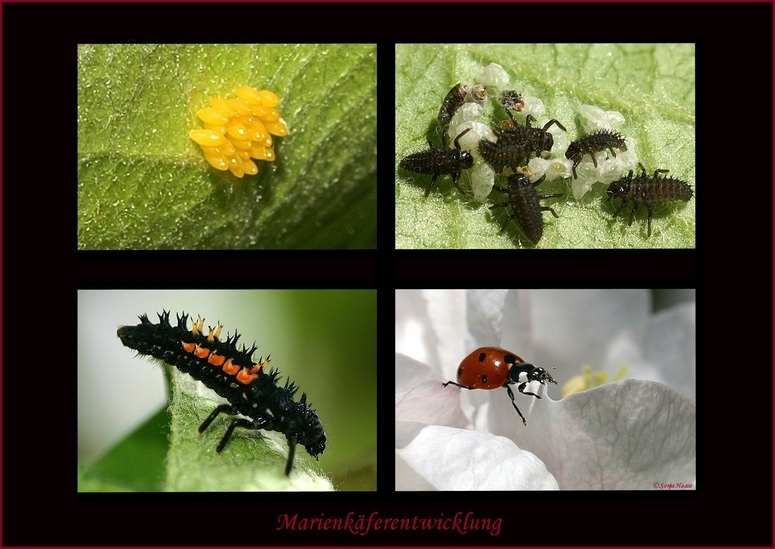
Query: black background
[(731, 268)]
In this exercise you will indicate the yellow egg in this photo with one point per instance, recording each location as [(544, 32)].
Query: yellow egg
[(249, 95), (222, 105), (235, 167), (278, 127), (236, 130), (240, 107), (242, 144), (268, 99), (207, 138), (217, 162), (212, 116), (256, 130), (216, 128), (250, 167)]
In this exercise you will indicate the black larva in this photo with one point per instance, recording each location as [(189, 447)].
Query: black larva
[(524, 202), (648, 190), (534, 140), (593, 143), (250, 388), (516, 143), (452, 102), (437, 161)]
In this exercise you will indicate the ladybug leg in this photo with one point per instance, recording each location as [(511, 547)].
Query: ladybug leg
[(513, 403), (239, 422), (619, 209), (433, 180), (291, 451), (632, 213), (456, 178), (223, 408), (522, 390), (649, 207), (455, 384)]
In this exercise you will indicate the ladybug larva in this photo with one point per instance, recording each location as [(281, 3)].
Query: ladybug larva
[(239, 130), (251, 389), (649, 190)]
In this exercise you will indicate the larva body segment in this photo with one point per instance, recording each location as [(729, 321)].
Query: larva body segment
[(592, 143), (648, 190), (502, 155), (525, 205)]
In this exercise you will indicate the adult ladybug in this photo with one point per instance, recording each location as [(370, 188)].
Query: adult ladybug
[(493, 367)]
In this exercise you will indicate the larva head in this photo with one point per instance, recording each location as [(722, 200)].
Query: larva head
[(466, 160), (620, 187)]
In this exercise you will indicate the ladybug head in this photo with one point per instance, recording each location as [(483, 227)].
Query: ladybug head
[(525, 373), (541, 375)]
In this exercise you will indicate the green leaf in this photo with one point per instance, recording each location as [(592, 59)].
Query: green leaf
[(652, 85), (251, 461), (143, 184), (134, 464)]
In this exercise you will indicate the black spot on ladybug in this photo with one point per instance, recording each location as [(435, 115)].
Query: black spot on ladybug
[(593, 143), (648, 190), (525, 205), (250, 390), (438, 161)]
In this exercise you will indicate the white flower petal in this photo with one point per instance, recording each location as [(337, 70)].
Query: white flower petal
[(456, 459)]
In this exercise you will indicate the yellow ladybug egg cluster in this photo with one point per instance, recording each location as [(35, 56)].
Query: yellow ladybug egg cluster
[(236, 130)]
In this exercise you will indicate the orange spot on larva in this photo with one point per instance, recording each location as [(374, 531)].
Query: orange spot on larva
[(216, 360), (245, 377), (201, 352), (230, 368)]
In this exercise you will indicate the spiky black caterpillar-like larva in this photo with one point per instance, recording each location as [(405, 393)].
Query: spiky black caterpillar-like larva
[(220, 365)]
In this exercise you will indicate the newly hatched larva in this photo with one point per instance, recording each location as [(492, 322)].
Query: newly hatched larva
[(240, 129), (533, 140), (516, 143), (452, 102), (648, 190), (438, 161), (593, 143), (525, 205)]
